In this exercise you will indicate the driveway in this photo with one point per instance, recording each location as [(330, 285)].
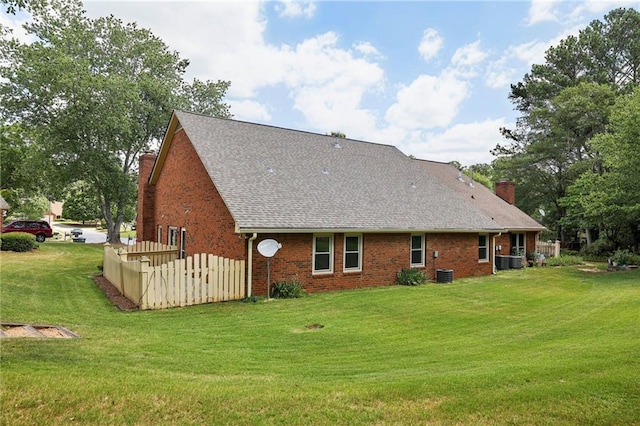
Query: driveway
[(88, 232)]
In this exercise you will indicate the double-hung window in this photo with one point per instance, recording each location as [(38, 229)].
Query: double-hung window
[(417, 250), (352, 253), (322, 254), (483, 248), (172, 238)]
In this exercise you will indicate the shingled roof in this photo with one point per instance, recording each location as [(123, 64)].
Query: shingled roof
[(282, 180), (506, 215)]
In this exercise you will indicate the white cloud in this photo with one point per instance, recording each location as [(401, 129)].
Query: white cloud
[(430, 44), (295, 8), (469, 54), (248, 110), (468, 143), (367, 49), (14, 24), (542, 11), (429, 101)]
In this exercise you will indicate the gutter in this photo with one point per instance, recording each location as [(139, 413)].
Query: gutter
[(250, 264)]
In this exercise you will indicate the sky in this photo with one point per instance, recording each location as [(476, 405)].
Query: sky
[(429, 77)]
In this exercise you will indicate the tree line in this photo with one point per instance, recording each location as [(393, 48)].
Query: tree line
[(575, 149)]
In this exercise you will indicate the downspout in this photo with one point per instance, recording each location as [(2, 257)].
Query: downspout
[(493, 267), (250, 263)]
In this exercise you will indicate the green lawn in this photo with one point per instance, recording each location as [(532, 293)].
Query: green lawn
[(537, 346)]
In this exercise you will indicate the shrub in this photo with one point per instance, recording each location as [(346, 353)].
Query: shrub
[(625, 257), (411, 276), (287, 290), (564, 260), (18, 241), (598, 250)]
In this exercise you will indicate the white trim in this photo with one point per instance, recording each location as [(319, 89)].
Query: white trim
[(183, 244), (159, 234), (422, 251), (323, 271), (240, 230), (359, 252)]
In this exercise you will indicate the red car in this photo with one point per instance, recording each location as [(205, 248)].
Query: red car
[(39, 228)]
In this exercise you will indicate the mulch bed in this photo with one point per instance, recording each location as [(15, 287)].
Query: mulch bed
[(114, 295)]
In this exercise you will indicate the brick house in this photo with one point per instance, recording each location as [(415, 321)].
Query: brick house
[(348, 213)]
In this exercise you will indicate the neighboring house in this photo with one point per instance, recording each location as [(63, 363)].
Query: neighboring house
[(348, 214)]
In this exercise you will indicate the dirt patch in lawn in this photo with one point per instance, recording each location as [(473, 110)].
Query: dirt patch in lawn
[(114, 295), (8, 330)]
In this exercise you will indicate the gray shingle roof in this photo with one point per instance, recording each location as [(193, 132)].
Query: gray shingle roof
[(506, 215), (279, 179)]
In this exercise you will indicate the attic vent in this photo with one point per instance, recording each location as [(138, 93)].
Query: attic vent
[(270, 169), (471, 184), (412, 185), (460, 178), (325, 171), (336, 144)]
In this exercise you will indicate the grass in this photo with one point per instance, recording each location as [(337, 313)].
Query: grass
[(536, 346)]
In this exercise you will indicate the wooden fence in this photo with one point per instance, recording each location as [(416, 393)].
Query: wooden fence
[(549, 249), (203, 278)]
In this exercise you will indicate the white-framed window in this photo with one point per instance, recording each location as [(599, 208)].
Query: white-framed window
[(352, 252), (172, 238), (323, 254), (518, 244), (483, 248), (417, 250), (183, 243), (159, 234)]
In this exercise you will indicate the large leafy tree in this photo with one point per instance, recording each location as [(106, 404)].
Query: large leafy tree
[(95, 94), (563, 104), (607, 196)]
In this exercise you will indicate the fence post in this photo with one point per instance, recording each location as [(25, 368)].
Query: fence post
[(144, 280), (556, 249)]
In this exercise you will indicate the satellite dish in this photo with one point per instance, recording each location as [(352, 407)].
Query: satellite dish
[(268, 248)]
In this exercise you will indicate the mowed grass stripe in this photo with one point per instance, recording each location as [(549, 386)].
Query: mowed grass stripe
[(542, 345)]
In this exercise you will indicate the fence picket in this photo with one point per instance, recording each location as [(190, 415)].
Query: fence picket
[(161, 281)]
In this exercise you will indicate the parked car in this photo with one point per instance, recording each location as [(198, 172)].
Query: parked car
[(76, 231), (39, 228)]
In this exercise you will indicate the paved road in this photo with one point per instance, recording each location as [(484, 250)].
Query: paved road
[(89, 233)]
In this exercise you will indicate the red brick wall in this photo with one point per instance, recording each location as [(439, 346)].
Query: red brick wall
[(146, 198), (186, 197), (383, 256), (506, 190), (504, 240)]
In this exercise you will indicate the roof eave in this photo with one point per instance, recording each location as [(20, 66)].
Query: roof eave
[(254, 230)]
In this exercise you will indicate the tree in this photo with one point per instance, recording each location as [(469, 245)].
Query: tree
[(564, 103), (607, 196), (81, 203), (95, 94), (338, 134)]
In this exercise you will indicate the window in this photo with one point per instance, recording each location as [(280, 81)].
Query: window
[(172, 238), (517, 244), (417, 250), (322, 254), (183, 243), (483, 248), (352, 253), (159, 236)]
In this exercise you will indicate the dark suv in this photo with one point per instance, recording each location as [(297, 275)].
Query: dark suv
[(39, 228)]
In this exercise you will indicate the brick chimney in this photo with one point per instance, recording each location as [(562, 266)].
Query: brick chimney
[(145, 224), (506, 189)]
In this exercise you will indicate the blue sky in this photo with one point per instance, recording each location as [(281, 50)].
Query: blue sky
[(430, 77)]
